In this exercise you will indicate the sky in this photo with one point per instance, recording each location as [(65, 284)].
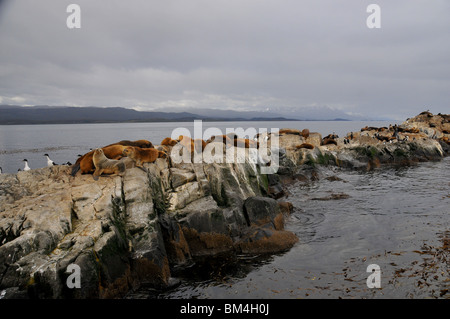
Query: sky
[(283, 56)]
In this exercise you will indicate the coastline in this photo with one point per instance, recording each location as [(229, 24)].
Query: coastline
[(133, 230)]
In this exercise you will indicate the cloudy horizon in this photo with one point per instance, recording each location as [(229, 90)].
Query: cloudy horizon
[(283, 56)]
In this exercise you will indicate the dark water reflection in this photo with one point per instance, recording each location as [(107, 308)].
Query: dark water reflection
[(393, 217)]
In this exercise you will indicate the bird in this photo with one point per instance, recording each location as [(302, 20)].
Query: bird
[(49, 161), (0, 169), (26, 168)]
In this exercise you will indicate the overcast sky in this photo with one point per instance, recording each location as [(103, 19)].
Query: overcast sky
[(277, 55)]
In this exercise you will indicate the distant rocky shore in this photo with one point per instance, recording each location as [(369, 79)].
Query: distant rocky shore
[(131, 230)]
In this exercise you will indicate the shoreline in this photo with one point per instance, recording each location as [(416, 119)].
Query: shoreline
[(125, 231)]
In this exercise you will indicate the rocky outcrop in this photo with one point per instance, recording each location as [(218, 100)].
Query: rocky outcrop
[(125, 231), (422, 138)]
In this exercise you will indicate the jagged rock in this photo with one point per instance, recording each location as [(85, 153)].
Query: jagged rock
[(122, 231)]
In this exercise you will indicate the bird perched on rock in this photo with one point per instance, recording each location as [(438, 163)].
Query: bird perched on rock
[(0, 170), (26, 168), (49, 161)]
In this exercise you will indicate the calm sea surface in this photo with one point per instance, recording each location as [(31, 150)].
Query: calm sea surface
[(396, 218)]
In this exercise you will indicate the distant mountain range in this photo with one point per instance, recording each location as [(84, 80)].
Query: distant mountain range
[(14, 114)]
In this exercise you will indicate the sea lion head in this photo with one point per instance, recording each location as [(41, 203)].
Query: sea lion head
[(127, 151)]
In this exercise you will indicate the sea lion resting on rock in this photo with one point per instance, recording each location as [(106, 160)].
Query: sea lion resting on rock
[(106, 165), (138, 143), (143, 155), (327, 141), (86, 165), (191, 145), (245, 142), (221, 138), (169, 142), (85, 162), (305, 145), (289, 131), (305, 133)]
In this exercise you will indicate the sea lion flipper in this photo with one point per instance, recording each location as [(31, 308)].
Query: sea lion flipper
[(75, 169)]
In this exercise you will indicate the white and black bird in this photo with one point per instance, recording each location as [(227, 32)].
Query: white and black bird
[(26, 168), (49, 161), (0, 170)]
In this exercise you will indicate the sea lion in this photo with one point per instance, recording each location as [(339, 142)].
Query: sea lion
[(221, 138), (305, 133), (169, 142), (289, 131), (427, 113), (412, 130), (327, 141), (245, 142), (369, 128), (86, 164), (233, 139), (232, 135), (143, 155), (331, 136), (105, 165), (138, 143), (305, 145), (192, 145), (385, 138)]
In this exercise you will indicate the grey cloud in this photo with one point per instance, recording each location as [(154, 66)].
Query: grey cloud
[(245, 54)]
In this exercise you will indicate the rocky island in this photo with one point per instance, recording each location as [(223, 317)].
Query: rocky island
[(124, 231)]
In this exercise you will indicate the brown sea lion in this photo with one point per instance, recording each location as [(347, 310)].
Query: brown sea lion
[(138, 143), (86, 164), (369, 128), (232, 135), (221, 138), (105, 165), (191, 144), (305, 133), (245, 142), (169, 142), (412, 130), (143, 155), (331, 136), (327, 141), (289, 131), (427, 113), (305, 145)]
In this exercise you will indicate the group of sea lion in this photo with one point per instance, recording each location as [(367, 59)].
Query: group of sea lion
[(304, 133), (106, 160)]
